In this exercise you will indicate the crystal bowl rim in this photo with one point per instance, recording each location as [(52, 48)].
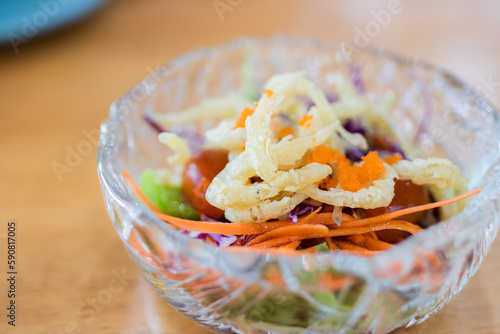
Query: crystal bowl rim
[(459, 225)]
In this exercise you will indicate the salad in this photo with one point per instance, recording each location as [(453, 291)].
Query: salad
[(297, 171)]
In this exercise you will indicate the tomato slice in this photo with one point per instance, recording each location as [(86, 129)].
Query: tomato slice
[(406, 195), (198, 175)]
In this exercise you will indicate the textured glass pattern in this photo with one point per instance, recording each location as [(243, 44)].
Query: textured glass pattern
[(252, 293)]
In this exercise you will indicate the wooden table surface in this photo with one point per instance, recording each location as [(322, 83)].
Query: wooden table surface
[(58, 88)]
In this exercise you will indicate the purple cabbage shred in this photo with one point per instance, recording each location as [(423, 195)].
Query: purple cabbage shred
[(395, 148), (357, 79), (155, 126), (221, 240), (354, 154), (354, 126), (247, 238), (194, 139), (301, 210), (330, 97)]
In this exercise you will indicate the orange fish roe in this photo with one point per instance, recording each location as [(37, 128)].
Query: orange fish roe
[(373, 165), (327, 183), (348, 177), (268, 92), (351, 178), (240, 122), (354, 178), (391, 160), (286, 131), (306, 121), (325, 155)]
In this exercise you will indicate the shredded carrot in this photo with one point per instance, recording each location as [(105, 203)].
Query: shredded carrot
[(273, 224), (358, 239), (265, 250), (286, 131), (390, 225), (350, 221), (346, 217), (392, 159), (357, 253), (306, 121), (341, 246), (284, 240), (268, 92), (291, 245), (238, 241), (391, 215), (220, 228), (377, 245), (348, 246), (281, 238), (211, 227), (361, 237), (353, 224), (331, 245), (290, 230), (325, 218), (240, 122), (374, 223), (309, 216)]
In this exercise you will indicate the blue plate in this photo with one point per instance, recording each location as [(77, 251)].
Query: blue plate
[(23, 20)]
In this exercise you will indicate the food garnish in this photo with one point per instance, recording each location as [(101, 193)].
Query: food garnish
[(297, 172)]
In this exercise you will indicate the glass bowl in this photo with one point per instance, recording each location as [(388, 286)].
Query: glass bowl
[(231, 292)]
